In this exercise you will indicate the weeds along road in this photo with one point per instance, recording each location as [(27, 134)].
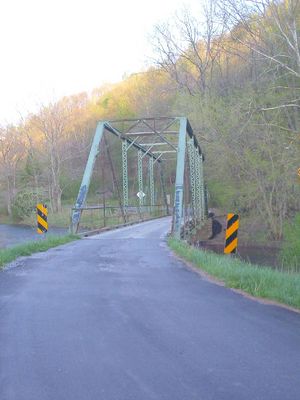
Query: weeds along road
[(117, 317)]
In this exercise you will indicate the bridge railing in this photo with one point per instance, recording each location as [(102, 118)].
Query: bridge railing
[(102, 216)]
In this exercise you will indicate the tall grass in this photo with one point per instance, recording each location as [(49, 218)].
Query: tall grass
[(10, 254), (256, 280), (290, 253)]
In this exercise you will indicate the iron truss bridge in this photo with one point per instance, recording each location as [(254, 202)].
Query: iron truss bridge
[(163, 147)]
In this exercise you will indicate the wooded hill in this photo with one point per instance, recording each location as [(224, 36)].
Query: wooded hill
[(234, 73)]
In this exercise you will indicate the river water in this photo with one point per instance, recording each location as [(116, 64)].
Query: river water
[(254, 254), (11, 235)]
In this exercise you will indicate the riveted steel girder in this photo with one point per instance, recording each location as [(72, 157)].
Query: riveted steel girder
[(179, 183), (151, 183), (191, 151), (140, 176), (86, 179), (125, 174), (202, 187), (198, 186)]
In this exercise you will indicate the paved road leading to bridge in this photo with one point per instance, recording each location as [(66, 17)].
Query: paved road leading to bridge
[(117, 317)]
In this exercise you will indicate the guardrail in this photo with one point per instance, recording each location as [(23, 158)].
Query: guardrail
[(102, 216)]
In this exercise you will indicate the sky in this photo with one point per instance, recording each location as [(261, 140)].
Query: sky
[(50, 49)]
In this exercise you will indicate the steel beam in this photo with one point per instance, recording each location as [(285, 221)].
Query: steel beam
[(125, 174), (191, 152), (163, 186), (202, 188), (161, 136), (149, 133), (153, 144), (151, 183), (140, 176), (172, 119), (198, 186), (178, 202), (121, 136), (86, 179), (164, 151)]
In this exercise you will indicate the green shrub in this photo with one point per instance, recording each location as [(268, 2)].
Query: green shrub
[(290, 253), (23, 205)]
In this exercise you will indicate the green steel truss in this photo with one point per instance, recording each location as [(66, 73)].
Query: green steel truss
[(151, 182), (125, 174), (191, 150), (140, 177), (165, 140)]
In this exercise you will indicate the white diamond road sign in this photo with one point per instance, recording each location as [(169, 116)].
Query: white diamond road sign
[(140, 195)]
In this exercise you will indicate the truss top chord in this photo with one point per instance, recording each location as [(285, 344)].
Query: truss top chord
[(150, 133), (145, 119), (153, 144), (164, 151)]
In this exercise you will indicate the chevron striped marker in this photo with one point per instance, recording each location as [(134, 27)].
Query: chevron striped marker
[(41, 216), (233, 221)]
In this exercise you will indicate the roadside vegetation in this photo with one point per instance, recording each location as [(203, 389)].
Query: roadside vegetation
[(10, 254), (290, 253), (278, 285)]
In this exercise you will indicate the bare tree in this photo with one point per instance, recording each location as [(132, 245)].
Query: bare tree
[(51, 122), (11, 153), (188, 49), (270, 28)]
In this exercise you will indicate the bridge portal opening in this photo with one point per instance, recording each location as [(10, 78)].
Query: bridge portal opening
[(155, 169)]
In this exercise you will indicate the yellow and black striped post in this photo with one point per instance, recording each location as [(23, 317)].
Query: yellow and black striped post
[(41, 216), (231, 242)]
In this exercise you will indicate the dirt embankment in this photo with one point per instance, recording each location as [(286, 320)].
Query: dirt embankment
[(252, 252)]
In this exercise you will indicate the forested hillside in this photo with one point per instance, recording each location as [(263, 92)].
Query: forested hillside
[(235, 73)]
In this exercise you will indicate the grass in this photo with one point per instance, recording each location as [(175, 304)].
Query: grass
[(258, 281), (290, 253), (90, 219), (10, 254)]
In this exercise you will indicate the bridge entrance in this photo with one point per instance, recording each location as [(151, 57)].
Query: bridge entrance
[(158, 171)]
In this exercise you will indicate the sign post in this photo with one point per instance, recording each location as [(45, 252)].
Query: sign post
[(231, 242), (42, 218)]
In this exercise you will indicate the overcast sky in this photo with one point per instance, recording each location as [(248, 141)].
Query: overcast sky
[(61, 47)]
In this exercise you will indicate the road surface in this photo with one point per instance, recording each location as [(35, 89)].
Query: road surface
[(118, 317)]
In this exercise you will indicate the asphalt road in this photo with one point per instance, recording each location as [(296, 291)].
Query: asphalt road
[(118, 317)]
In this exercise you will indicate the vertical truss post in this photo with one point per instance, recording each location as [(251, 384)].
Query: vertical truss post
[(178, 203), (151, 179), (140, 175), (205, 201), (86, 179), (115, 180), (125, 175), (191, 151), (163, 186), (198, 185), (202, 189)]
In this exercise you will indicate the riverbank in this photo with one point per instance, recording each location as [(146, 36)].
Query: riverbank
[(26, 249), (258, 281), (15, 234), (253, 244)]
